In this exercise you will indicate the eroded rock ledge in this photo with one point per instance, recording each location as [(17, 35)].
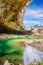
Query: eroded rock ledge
[(11, 14)]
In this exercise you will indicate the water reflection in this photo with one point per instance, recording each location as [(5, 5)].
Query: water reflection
[(31, 54)]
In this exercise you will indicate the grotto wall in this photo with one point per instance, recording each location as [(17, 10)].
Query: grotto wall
[(11, 15)]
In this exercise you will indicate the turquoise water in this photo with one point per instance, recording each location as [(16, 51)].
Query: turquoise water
[(10, 46), (19, 38), (11, 49), (7, 43)]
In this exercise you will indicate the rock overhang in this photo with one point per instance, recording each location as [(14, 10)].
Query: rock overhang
[(11, 14)]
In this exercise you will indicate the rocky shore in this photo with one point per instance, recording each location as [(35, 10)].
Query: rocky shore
[(7, 62), (10, 62), (38, 44), (4, 36)]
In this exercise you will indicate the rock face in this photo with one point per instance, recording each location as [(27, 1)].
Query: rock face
[(11, 14), (38, 44), (38, 32), (35, 31)]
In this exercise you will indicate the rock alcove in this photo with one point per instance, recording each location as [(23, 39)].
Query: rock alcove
[(11, 15)]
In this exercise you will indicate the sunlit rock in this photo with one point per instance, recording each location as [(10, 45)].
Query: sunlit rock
[(11, 14)]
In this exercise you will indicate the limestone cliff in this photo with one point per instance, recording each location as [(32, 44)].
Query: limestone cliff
[(11, 14)]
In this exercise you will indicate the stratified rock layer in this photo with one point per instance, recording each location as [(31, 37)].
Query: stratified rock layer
[(11, 14)]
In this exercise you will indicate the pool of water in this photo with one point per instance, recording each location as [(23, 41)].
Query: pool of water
[(11, 44), (31, 54)]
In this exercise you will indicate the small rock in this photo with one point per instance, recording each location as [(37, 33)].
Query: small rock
[(6, 63)]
